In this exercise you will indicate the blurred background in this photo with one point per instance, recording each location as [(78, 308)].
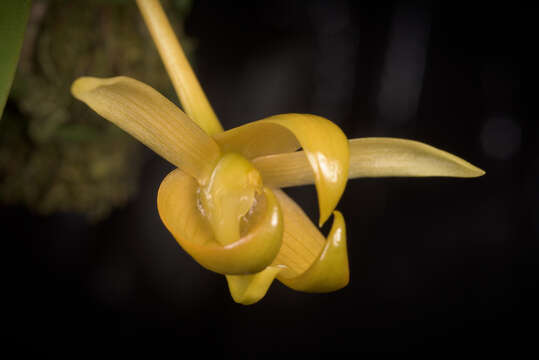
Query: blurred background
[(436, 264)]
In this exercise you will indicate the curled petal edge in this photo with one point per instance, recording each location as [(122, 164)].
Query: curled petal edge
[(249, 289), (329, 272), (325, 149), (178, 207)]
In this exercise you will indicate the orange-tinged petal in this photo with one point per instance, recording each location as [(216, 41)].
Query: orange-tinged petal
[(324, 145), (152, 119), (178, 206)]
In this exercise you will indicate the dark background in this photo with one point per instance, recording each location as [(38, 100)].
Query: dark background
[(436, 264)]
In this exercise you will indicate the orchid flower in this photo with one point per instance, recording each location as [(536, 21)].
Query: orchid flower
[(223, 203)]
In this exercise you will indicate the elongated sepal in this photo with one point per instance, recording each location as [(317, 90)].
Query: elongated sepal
[(330, 271), (387, 157), (324, 144), (152, 119), (370, 157), (178, 206), (249, 289)]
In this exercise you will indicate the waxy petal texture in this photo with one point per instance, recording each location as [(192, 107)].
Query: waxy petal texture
[(257, 138), (330, 271), (310, 262), (152, 119), (306, 261), (178, 205), (229, 196), (249, 289), (324, 146)]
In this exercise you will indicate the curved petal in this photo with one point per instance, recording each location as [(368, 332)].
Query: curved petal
[(286, 169), (183, 78), (330, 271), (257, 138), (324, 144), (369, 157), (152, 119), (177, 202), (249, 289), (309, 262), (305, 262)]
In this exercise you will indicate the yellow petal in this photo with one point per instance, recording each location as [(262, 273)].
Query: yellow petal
[(257, 138), (330, 271), (249, 289), (284, 170), (369, 157), (186, 84), (152, 119), (323, 142), (302, 241), (178, 205), (305, 262), (309, 262)]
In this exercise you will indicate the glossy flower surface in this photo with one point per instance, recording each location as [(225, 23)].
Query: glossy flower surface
[(223, 204)]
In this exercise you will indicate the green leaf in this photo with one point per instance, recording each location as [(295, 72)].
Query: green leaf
[(13, 17)]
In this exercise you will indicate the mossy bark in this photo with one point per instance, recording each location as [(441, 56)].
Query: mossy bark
[(55, 153)]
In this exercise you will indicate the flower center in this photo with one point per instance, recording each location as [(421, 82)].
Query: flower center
[(230, 195)]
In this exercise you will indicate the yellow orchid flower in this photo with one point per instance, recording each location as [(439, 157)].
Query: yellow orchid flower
[(223, 204)]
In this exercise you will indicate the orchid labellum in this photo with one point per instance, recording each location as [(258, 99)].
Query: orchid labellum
[(223, 203)]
